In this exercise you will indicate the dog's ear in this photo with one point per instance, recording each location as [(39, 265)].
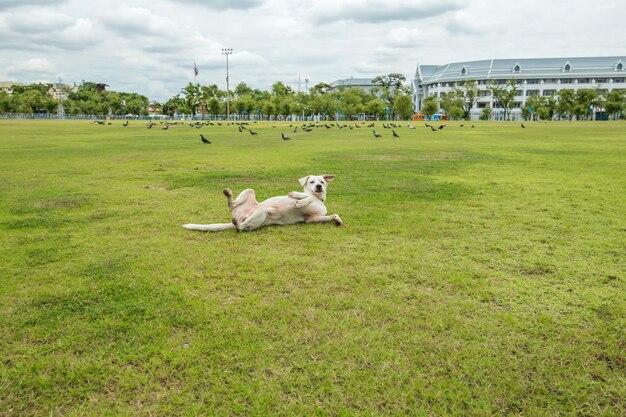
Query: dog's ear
[(303, 181), (328, 177)]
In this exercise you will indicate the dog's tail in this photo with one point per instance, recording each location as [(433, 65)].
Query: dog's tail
[(209, 227)]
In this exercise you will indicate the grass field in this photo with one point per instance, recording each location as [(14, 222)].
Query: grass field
[(480, 271)]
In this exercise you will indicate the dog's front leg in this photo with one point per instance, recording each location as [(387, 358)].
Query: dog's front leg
[(297, 196), (302, 199), (323, 219)]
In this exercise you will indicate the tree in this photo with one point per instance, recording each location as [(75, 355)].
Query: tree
[(615, 103), (390, 86), (485, 114), (375, 107), (584, 99), (566, 103), (242, 89), (174, 105), (430, 106), (192, 97), (403, 106), (468, 92), (321, 88), (453, 103), (505, 95), (280, 89)]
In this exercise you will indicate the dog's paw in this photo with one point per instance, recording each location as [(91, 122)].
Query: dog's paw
[(337, 220), (227, 192), (298, 204)]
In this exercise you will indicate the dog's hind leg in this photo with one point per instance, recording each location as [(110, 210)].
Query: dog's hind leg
[(242, 206), (255, 220)]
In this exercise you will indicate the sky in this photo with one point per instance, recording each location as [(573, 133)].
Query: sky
[(149, 46)]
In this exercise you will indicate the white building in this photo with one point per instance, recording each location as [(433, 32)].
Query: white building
[(541, 76), (363, 83)]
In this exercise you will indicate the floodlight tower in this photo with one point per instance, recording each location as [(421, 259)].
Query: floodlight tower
[(306, 95), (227, 51)]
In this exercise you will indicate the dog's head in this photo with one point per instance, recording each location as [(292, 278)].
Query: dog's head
[(316, 184)]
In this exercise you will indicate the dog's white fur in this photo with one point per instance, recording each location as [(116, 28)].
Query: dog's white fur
[(296, 207)]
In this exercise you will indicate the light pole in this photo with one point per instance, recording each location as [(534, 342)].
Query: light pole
[(306, 96), (227, 51)]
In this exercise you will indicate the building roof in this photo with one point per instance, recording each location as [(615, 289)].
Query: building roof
[(523, 68), (352, 82)]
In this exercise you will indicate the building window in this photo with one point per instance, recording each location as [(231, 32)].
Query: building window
[(532, 81), (567, 80), (583, 81), (517, 69), (618, 80), (482, 105), (464, 71), (600, 80), (549, 93), (567, 67), (619, 66), (532, 93)]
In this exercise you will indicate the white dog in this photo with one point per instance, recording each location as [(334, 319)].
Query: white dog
[(296, 207)]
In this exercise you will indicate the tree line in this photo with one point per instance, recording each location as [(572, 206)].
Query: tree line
[(566, 104), (87, 98), (388, 97)]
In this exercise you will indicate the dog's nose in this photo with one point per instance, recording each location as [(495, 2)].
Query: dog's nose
[(318, 187)]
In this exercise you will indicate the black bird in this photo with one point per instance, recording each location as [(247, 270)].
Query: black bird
[(295, 130), (240, 129), (461, 125), (284, 137), (252, 133), (432, 128), (426, 124), (441, 127), (125, 123), (166, 127), (395, 135), (203, 139), (523, 127), (376, 135)]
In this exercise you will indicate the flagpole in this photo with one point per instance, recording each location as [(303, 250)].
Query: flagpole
[(195, 72)]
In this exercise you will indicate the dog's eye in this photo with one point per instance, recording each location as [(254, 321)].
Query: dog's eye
[(311, 182)]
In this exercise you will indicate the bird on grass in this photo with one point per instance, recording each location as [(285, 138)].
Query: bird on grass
[(523, 127), (166, 127), (284, 137), (376, 135), (395, 135), (252, 133), (441, 127), (125, 123), (432, 128), (461, 125), (203, 139)]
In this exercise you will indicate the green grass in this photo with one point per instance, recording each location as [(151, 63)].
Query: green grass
[(478, 272)]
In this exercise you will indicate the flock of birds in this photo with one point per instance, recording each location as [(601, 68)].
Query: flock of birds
[(306, 127)]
